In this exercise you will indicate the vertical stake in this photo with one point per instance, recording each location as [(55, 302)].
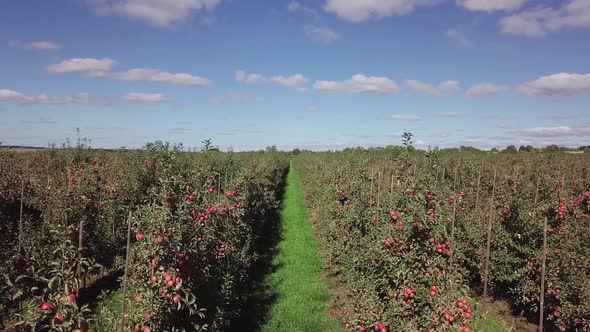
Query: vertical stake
[(543, 261), (126, 270), (378, 189), (20, 220), (490, 220), (453, 226)]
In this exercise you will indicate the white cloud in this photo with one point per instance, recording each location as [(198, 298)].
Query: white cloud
[(554, 131), (561, 84), (473, 140), (40, 120), (242, 76), (159, 76), (394, 134), (484, 89), (159, 13), (145, 97), (321, 34), (459, 37), (295, 81), (11, 95), (295, 6), (490, 5), (406, 117), (237, 97), (359, 84), (102, 68), (439, 135), (90, 66), (443, 88), (42, 46), (451, 114), (358, 11), (538, 21), (43, 99)]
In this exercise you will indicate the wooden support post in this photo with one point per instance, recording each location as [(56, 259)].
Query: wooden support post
[(452, 242), (489, 238), (378, 189), (477, 192), (20, 219), (80, 246), (543, 261), (126, 272)]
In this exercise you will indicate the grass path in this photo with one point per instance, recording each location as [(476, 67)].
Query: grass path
[(301, 292)]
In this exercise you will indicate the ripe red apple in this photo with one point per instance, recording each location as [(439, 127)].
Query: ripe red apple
[(139, 237), (72, 297), (45, 306), (58, 318)]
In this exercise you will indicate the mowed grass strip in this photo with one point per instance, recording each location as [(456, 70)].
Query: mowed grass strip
[(301, 292)]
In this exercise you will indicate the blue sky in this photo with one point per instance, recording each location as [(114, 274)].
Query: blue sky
[(310, 74)]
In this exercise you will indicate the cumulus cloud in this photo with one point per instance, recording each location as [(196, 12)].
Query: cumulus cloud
[(472, 140), (442, 89), (102, 68), (321, 34), (159, 76), (484, 89), (451, 114), (40, 120), (90, 66), (295, 6), (42, 46), (295, 81), (83, 98), (394, 134), (490, 5), (145, 97), (11, 95), (359, 84), (358, 11), (234, 97), (459, 37), (541, 20), (557, 85), (159, 13), (560, 131), (406, 117), (242, 76)]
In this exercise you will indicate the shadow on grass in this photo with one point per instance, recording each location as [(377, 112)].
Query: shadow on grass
[(91, 295), (259, 295)]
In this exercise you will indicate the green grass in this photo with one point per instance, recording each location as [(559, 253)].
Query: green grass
[(488, 321), (108, 312), (302, 293)]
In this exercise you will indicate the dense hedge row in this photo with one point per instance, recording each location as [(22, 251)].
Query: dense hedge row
[(194, 219), (408, 230)]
